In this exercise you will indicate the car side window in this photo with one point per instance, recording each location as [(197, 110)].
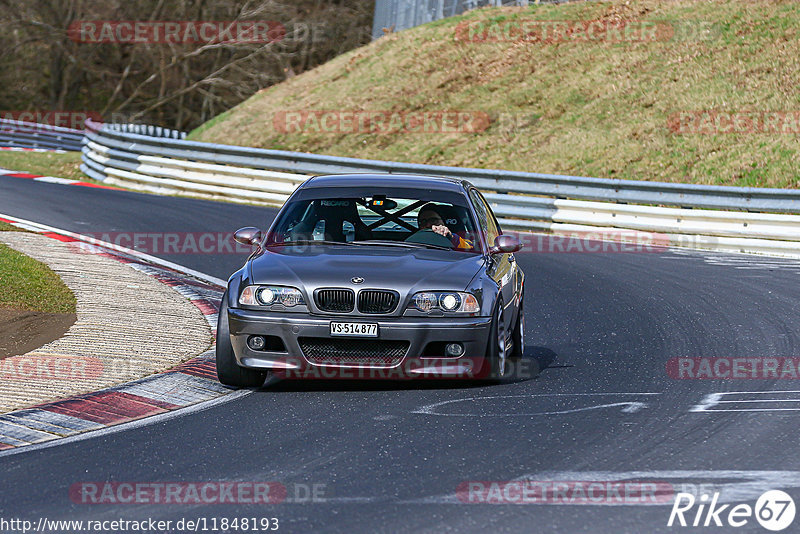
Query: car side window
[(494, 226), (486, 218)]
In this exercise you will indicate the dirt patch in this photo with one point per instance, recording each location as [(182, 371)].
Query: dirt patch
[(23, 331)]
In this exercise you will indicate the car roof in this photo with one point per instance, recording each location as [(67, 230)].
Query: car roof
[(410, 181)]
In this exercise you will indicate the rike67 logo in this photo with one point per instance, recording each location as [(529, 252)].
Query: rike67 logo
[(774, 510)]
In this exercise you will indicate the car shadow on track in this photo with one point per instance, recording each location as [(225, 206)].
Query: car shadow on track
[(535, 360)]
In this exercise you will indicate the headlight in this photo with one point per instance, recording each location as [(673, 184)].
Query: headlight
[(450, 301), (265, 295), (268, 295), (424, 301), (447, 301)]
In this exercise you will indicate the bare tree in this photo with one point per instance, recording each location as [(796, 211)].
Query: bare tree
[(174, 84)]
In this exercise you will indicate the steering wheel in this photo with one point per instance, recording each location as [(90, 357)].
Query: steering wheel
[(429, 237)]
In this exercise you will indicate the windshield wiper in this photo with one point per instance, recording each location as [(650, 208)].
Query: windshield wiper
[(379, 242), (370, 242), (308, 242)]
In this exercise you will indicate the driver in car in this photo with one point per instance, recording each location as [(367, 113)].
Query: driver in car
[(429, 218)]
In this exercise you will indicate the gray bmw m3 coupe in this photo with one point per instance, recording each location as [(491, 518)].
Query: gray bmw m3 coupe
[(372, 275)]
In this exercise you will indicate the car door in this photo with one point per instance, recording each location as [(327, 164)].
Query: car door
[(503, 267)]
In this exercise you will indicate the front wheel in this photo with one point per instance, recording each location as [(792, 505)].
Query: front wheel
[(518, 334), (229, 372), (497, 350)]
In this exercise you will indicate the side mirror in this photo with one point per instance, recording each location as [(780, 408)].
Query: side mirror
[(504, 244), (247, 236)]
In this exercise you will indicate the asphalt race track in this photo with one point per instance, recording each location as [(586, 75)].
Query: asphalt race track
[(389, 457)]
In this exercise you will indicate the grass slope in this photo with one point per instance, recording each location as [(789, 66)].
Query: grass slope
[(27, 284), (592, 109), (65, 165)]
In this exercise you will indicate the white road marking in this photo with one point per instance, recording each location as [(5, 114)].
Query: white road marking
[(55, 180), (628, 406), (712, 400), (742, 261)]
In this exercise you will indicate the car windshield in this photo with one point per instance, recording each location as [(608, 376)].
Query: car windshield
[(378, 220)]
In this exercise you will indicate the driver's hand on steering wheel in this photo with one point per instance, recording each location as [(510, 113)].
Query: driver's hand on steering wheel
[(441, 230)]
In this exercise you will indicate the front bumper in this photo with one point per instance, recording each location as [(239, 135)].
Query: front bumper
[(418, 332)]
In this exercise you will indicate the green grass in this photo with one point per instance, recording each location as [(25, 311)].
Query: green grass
[(5, 227), (27, 284), (592, 109), (65, 165)]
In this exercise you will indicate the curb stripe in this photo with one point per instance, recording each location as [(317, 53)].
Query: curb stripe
[(98, 186), (203, 370), (70, 423), (130, 404), (80, 410), (24, 433), (145, 402), (172, 389), (205, 307), (59, 237), (55, 179), (37, 425), (117, 407), (11, 441)]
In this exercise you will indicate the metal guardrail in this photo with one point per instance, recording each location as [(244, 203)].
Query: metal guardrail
[(144, 129), (21, 134), (403, 14), (755, 220), (512, 182)]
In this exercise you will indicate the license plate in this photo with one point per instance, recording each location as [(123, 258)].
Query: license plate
[(354, 329)]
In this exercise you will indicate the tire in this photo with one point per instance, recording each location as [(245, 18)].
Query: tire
[(496, 350), (229, 372), (518, 334)]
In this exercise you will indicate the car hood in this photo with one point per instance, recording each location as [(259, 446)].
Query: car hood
[(402, 269)]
